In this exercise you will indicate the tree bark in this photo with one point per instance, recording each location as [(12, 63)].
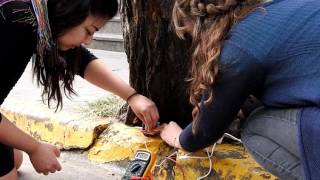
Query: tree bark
[(159, 61)]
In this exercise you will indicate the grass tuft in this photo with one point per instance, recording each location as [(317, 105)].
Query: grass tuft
[(108, 107)]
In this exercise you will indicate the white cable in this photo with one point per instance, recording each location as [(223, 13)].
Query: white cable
[(210, 167), (212, 149), (209, 155), (220, 140), (174, 153), (145, 144), (187, 156), (231, 137)]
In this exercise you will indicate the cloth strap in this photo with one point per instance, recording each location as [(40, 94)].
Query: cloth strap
[(45, 40)]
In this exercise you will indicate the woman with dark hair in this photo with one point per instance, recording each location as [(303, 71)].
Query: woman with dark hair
[(54, 31), (270, 49)]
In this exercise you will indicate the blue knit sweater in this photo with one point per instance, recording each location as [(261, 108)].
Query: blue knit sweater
[(273, 53)]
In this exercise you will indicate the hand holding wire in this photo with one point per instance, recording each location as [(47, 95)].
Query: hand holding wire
[(145, 109)]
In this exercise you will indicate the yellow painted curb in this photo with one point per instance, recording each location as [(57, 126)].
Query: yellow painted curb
[(65, 129), (228, 162), (120, 142)]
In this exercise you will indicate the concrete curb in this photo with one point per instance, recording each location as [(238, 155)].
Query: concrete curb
[(118, 143), (65, 130)]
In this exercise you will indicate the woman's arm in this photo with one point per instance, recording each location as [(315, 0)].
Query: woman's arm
[(239, 75), (43, 156), (18, 41), (21, 141), (100, 75)]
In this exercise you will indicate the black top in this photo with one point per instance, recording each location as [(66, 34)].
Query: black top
[(18, 35)]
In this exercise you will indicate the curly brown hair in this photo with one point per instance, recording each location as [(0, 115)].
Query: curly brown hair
[(208, 22)]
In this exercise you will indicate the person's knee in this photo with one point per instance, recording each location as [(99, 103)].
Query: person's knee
[(18, 158), (12, 175)]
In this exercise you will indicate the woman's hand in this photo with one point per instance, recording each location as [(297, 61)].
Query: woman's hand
[(170, 134), (145, 110), (100, 75), (44, 158)]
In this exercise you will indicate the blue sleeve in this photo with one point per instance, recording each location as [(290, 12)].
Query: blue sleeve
[(239, 74)]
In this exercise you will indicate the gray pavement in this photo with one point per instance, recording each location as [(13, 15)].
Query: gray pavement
[(75, 166), (74, 163), (26, 89)]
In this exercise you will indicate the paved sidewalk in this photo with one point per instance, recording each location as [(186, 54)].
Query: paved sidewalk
[(75, 166), (117, 61)]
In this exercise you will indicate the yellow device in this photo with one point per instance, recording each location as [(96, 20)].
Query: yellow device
[(140, 167)]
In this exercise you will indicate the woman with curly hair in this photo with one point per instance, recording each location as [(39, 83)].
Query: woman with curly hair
[(53, 31), (269, 49)]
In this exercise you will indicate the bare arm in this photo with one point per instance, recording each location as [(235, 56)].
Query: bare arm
[(14, 137), (100, 75), (43, 156)]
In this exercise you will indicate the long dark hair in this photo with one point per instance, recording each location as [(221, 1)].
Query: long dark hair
[(53, 72), (208, 22)]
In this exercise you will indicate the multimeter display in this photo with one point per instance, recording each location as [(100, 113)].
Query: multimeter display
[(138, 165), (144, 156)]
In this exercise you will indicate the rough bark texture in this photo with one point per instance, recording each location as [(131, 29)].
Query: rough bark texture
[(158, 60)]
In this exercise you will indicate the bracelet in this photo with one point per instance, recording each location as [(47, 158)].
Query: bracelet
[(133, 94)]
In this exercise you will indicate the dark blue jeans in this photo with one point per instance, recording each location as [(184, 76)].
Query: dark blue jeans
[(271, 137)]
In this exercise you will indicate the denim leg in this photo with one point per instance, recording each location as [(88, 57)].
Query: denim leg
[(271, 137)]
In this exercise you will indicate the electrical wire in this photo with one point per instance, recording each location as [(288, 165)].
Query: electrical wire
[(166, 158), (210, 167), (209, 155), (145, 144)]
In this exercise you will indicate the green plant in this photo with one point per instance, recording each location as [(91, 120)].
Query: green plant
[(108, 107)]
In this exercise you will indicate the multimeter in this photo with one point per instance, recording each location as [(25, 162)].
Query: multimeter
[(138, 165)]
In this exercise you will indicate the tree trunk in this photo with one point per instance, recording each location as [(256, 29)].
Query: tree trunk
[(158, 60)]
